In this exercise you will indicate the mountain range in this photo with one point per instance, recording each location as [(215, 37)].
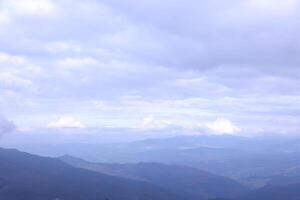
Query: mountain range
[(25, 176), (188, 182), (253, 162), (28, 177)]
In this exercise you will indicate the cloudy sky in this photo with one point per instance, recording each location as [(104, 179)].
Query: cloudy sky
[(228, 66)]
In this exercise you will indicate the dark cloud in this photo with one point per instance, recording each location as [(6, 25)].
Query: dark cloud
[(6, 126), (202, 34)]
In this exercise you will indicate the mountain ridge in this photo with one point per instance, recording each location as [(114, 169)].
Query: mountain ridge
[(191, 182), (24, 176)]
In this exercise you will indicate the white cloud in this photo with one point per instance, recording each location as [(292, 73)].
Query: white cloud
[(66, 122), (275, 6), (8, 59), (18, 65), (222, 126), (30, 7), (9, 79), (77, 63), (150, 122), (62, 47), (16, 72), (4, 18)]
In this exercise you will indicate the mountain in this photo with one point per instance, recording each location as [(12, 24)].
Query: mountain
[(271, 192), (191, 183), (251, 168), (285, 177), (24, 176), (251, 161), (275, 192)]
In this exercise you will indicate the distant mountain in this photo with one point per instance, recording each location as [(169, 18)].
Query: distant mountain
[(27, 177), (190, 183), (251, 168), (251, 161), (272, 192)]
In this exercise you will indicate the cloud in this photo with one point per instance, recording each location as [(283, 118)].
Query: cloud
[(6, 126), (220, 126), (275, 6), (77, 63), (61, 47), (184, 61), (151, 123), (17, 73), (29, 7), (223, 126), (4, 18), (66, 122)]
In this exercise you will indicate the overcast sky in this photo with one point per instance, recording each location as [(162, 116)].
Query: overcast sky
[(227, 66)]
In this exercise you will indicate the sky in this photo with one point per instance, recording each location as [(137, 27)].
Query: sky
[(209, 66)]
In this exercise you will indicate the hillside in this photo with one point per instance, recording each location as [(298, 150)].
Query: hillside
[(189, 182), (24, 176)]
